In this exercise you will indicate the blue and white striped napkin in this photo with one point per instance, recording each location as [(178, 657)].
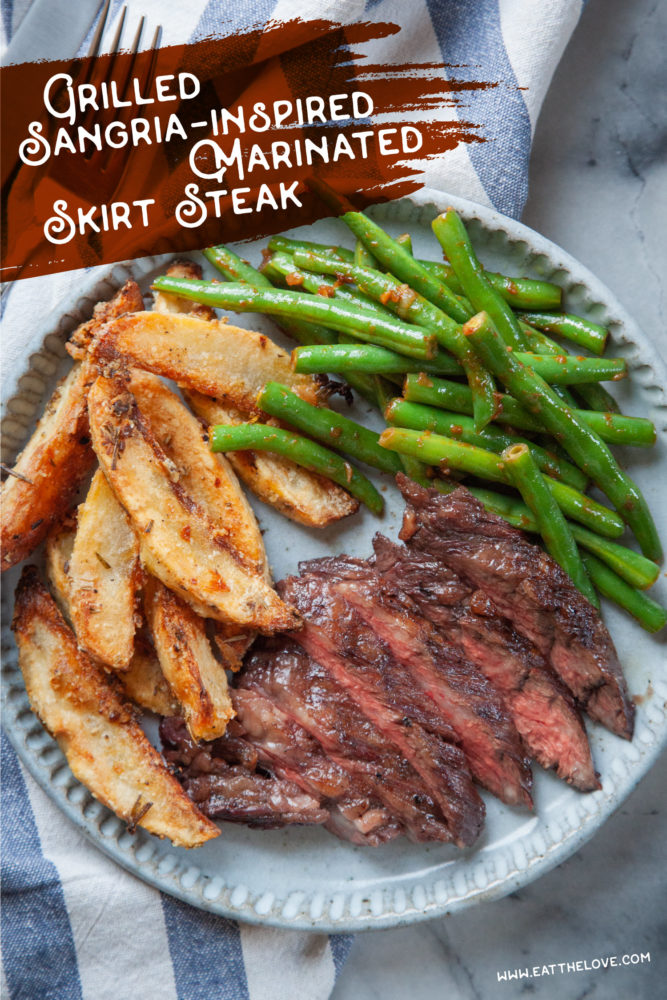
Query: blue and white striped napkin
[(74, 925)]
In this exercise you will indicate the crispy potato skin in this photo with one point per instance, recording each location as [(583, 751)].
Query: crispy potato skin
[(56, 460), (196, 679), (191, 549), (215, 358), (104, 576), (82, 708), (299, 494), (58, 456), (126, 300)]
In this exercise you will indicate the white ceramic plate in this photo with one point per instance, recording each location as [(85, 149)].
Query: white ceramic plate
[(304, 877)]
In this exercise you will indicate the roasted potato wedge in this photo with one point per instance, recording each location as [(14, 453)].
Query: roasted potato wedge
[(59, 545), (143, 681), (207, 478), (296, 492), (196, 679), (145, 684), (165, 303), (213, 357), (104, 576), (58, 457), (126, 300), (49, 470), (193, 550), (96, 729)]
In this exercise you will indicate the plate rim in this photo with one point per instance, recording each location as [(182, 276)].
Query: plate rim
[(124, 848)]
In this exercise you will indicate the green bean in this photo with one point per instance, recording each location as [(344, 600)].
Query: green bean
[(566, 369), (234, 267), (309, 454), (417, 417), (580, 331), (555, 366), (434, 449), (453, 237), (611, 427), (528, 480), (634, 568), (389, 332), (289, 246), (327, 426), (400, 262), (409, 304), (339, 359), (323, 284), (520, 293), (597, 398), (581, 443), (404, 240), (362, 256), (650, 615)]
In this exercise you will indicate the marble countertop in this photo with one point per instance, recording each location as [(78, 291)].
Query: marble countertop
[(599, 189)]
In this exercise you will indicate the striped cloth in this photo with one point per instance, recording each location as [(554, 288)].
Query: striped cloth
[(73, 924)]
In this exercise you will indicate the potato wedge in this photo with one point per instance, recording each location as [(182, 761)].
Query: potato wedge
[(96, 729), (59, 545), (145, 684), (207, 478), (210, 356), (165, 303), (104, 576), (126, 300), (196, 679), (299, 494), (52, 465), (58, 456), (192, 550)]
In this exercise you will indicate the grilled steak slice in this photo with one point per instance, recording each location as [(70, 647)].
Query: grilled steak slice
[(233, 793), (373, 637), (355, 814), (541, 707), (529, 588), (309, 695)]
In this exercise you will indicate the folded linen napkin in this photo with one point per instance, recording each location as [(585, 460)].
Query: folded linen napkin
[(74, 925)]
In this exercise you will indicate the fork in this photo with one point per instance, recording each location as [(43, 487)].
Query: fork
[(83, 174)]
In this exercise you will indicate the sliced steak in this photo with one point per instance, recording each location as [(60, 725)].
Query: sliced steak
[(355, 813), (541, 707), (368, 637), (233, 793), (529, 588), (309, 695)]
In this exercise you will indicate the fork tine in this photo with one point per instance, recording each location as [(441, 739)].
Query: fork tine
[(99, 31), (115, 45)]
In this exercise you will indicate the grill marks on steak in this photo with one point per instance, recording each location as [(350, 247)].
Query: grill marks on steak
[(379, 638), (309, 695), (541, 707), (528, 588), (354, 813), (338, 638), (233, 792)]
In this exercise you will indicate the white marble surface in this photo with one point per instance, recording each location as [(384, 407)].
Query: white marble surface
[(599, 189)]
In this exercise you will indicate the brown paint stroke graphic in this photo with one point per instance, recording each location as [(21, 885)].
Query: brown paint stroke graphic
[(284, 62)]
